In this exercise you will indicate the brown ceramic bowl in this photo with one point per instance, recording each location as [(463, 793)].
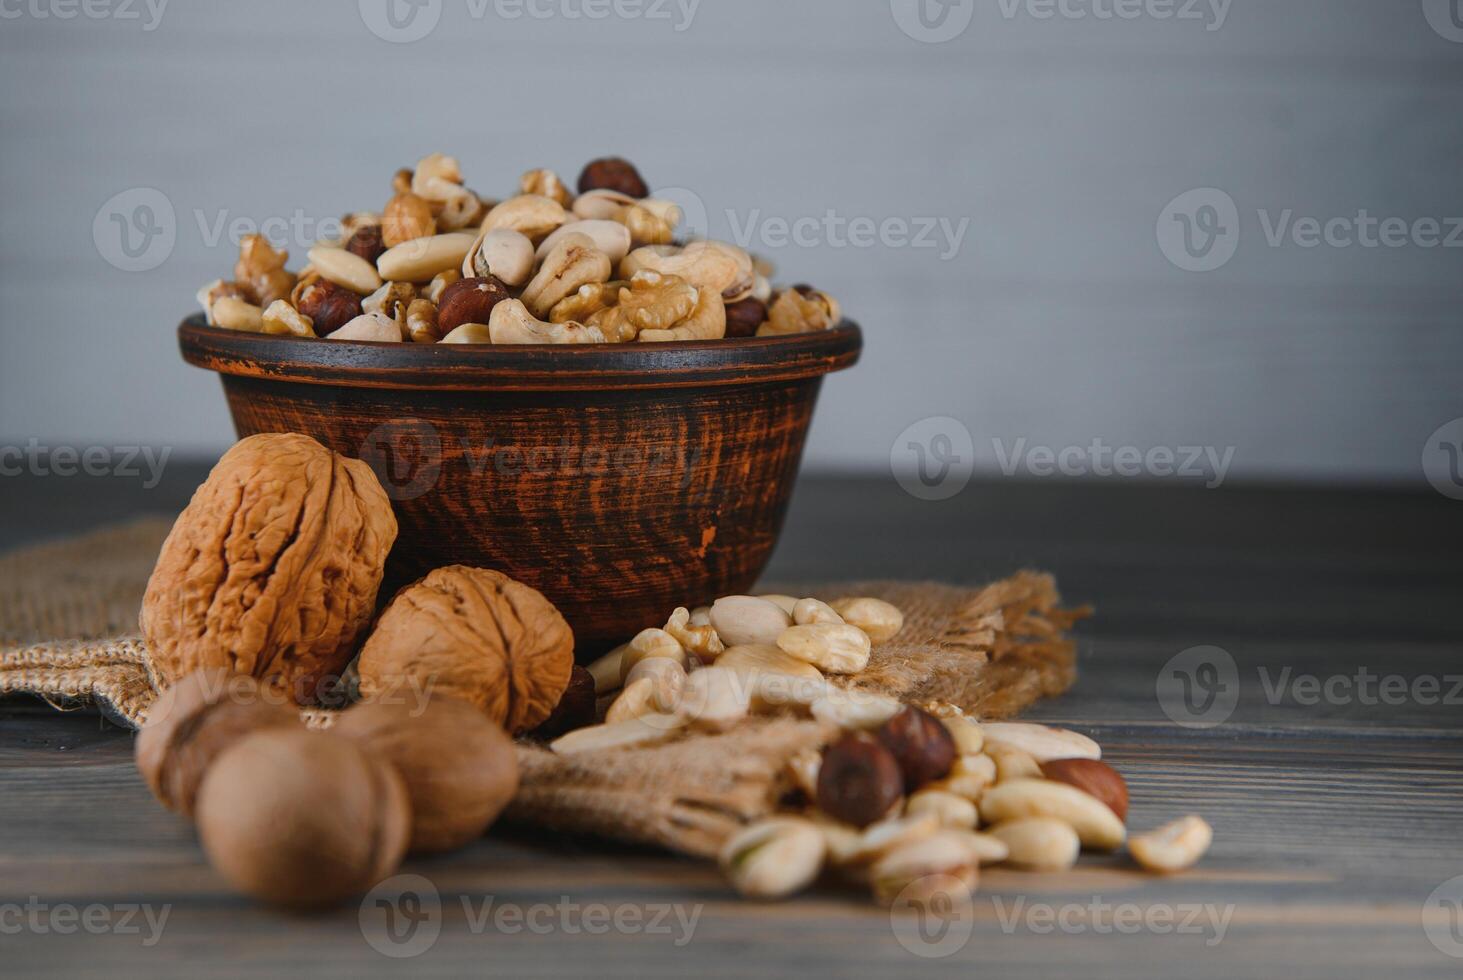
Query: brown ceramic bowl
[(619, 480)]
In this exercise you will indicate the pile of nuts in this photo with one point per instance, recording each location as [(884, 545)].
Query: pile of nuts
[(301, 818), (439, 264), (894, 801)]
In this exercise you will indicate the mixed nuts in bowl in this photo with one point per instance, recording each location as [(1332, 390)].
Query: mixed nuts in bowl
[(440, 264), (548, 386)]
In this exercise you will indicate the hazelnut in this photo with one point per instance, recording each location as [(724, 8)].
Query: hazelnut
[(469, 301), (192, 722), (614, 174), (921, 744), (859, 781), (302, 818), (576, 708), (745, 316), (1093, 778), (473, 634), (367, 243), (328, 306), (459, 767)]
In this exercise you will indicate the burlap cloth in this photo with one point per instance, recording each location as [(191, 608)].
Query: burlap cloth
[(68, 620)]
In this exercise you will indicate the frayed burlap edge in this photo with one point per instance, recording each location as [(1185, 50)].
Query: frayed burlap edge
[(992, 650)]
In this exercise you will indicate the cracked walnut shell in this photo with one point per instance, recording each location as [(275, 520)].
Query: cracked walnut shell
[(476, 635), (273, 568)]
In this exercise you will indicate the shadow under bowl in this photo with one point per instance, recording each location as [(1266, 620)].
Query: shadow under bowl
[(619, 480)]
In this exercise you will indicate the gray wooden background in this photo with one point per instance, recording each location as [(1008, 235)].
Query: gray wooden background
[(1061, 139)]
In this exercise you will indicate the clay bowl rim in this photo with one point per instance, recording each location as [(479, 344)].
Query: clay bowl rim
[(522, 367)]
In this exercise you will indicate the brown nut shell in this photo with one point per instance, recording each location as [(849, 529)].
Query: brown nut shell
[(613, 174), (577, 707), (367, 243), (859, 781), (921, 744), (745, 316), (469, 301), (1094, 778), (328, 306), (193, 721), (273, 568), (473, 634), (301, 818), (459, 768)]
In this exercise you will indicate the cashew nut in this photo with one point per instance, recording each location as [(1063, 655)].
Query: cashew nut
[(370, 327), (511, 323), (1174, 846), (723, 268), (1095, 823), (532, 214), (468, 333), (610, 237), (573, 262)]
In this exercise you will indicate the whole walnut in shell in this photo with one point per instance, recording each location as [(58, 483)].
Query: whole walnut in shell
[(303, 818), (476, 635), (459, 767), (192, 722), (273, 568)]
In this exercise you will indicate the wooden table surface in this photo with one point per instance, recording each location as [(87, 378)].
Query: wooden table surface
[(1328, 757)]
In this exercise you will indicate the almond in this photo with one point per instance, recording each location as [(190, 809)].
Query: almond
[(1094, 778)]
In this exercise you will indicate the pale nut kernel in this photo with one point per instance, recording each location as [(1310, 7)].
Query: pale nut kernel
[(699, 641), (717, 266), (439, 284), (701, 616), (512, 323), (740, 620), (878, 839), (935, 869), (282, 318), (970, 777), (969, 736), (637, 699), (667, 679), (774, 857), (572, 263), (1038, 843), (545, 183), (784, 602), (1013, 764), (1173, 847), (651, 643), (950, 809), (406, 217), (752, 659), (855, 710), (799, 310), (232, 313), (606, 670), (345, 269), (834, 648), (372, 327), (461, 210), (715, 699), (645, 730), (601, 204), (422, 258), (808, 611), (421, 321), (881, 620), (584, 303), (500, 252), (841, 839), (1042, 742), (214, 291), (610, 237), (644, 226), (706, 322), (532, 215), (774, 691), (392, 299), (1096, 825), (984, 848), (468, 333)]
